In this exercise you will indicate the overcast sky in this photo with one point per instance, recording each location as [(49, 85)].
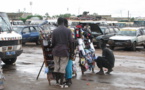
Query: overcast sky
[(116, 8)]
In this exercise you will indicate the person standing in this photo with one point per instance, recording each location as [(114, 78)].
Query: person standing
[(61, 40), (69, 68), (106, 60)]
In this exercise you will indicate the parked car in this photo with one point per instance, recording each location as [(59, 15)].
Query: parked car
[(29, 33), (101, 33), (129, 37), (95, 30), (108, 31)]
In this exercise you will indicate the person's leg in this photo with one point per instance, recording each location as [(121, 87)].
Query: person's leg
[(56, 76), (61, 78), (68, 82), (63, 64), (100, 64), (108, 66), (56, 63), (109, 70), (56, 69)]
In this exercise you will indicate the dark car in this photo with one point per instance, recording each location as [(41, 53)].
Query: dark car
[(29, 33), (108, 31)]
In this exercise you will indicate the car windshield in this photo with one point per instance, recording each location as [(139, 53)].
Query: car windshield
[(17, 29), (4, 24), (127, 32), (103, 29)]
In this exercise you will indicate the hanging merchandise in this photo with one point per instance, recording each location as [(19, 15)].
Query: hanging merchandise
[(86, 49), (77, 33), (46, 70), (46, 44)]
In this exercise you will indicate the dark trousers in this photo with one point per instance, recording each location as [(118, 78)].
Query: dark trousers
[(103, 62)]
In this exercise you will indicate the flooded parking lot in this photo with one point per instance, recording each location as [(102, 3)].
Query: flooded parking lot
[(128, 74)]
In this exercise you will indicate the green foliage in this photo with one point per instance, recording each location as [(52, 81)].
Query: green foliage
[(85, 13), (40, 17), (79, 16), (132, 19), (23, 19), (30, 16), (123, 21), (67, 15)]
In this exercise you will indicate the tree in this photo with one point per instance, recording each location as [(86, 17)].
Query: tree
[(30, 16), (95, 14), (39, 16), (67, 15), (85, 13), (23, 19), (47, 15), (132, 19)]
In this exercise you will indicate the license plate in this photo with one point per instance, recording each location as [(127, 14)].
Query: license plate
[(11, 53)]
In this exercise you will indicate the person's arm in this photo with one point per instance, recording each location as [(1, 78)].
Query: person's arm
[(71, 45), (53, 40), (104, 52)]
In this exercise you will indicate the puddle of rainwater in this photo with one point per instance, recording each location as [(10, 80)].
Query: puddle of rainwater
[(85, 79), (26, 63), (105, 82)]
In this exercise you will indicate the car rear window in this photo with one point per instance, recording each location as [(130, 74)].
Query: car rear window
[(127, 32)]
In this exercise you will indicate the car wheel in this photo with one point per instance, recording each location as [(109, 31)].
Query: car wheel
[(133, 48), (9, 61), (38, 42)]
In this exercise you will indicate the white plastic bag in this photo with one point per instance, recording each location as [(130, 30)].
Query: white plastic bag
[(45, 43), (46, 70)]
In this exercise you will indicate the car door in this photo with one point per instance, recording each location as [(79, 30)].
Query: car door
[(142, 35), (108, 33), (25, 34), (34, 34)]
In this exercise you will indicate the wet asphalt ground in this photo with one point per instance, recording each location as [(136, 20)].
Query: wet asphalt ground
[(128, 74)]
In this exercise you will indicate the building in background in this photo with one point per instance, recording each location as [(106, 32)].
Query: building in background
[(16, 16)]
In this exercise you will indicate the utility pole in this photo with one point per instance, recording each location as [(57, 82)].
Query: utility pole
[(121, 12), (67, 10), (31, 6), (79, 11)]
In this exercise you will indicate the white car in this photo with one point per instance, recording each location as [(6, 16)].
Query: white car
[(129, 37)]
